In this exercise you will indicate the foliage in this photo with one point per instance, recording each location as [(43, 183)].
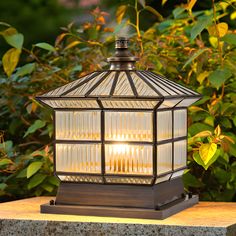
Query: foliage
[(193, 48)]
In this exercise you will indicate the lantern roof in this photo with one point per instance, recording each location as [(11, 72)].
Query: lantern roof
[(123, 81)]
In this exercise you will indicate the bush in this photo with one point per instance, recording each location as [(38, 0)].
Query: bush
[(193, 48)]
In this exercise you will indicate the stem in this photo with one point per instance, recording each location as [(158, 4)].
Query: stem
[(217, 34), (137, 27)]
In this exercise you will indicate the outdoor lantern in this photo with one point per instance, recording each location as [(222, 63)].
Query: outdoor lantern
[(120, 144)]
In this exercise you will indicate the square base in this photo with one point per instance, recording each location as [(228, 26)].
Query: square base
[(123, 212)]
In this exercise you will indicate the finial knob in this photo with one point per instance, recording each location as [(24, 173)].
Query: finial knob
[(121, 42)]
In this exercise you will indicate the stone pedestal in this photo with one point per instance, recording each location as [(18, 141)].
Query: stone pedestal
[(204, 219)]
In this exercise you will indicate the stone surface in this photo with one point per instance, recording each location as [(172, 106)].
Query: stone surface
[(204, 219)]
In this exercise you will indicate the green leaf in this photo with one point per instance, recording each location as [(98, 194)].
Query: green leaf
[(178, 11), (7, 146), (194, 56), (10, 60), (219, 76), (33, 168), (48, 187), (202, 24), (2, 186), (5, 161), (36, 180), (154, 12), (198, 127), (45, 46), (230, 39), (26, 69), (53, 180), (15, 40), (191, 181), (22, 173), (207, 151), (35, 126)]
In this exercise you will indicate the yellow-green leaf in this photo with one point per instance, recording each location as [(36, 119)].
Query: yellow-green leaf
[(233, 15), (72, 44), (10, 60), (13, 38), (33, 168), (163, 2), (120, 13), (222, 29), (202, 76), (217, 131), (191, 4), (213, 41), (203, 134), (207, 151)]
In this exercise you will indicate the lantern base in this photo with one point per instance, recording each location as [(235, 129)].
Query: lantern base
[(124, 212)]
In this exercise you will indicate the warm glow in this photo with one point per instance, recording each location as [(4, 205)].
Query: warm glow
[(128, 159)]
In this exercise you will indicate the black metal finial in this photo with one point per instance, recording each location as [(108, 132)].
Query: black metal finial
[(122, 42), (123, 59)]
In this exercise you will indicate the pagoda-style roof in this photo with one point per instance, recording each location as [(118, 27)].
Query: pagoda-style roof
[(122, 81)]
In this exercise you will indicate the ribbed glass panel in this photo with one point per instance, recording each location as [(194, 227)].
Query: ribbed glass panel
[(162, 179), (180, 123), (132, 104), (83, 89), (123, 87), (176, 86), (70, 103), (177, 174), (128, 159), (84, 158), (130, 180), (78, 125), (66, 87), (180, 154), (142, 88), (128, 126), (104, 88), (164, 158), (154, 83), (187, 102), (164, 125), (169, 103), (84, 178)]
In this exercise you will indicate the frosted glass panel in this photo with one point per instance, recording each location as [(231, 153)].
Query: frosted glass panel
[(78, 158), (162, 179), (77, 125), (180, 123), (130, 126), (71, 103), (129, 180), (164, 158), (128, 159), (129, 104), (168, 103), (187, 102), (164, 125), (180, 154), (177, 174), (123, 87), (83, 178)]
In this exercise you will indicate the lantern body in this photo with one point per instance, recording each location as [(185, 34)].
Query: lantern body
[(120, 141)]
